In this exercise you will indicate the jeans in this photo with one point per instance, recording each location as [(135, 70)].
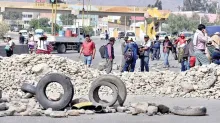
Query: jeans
[(9, 53), (185, 65), (156, 53), (145, 63), (131, 65), (166, 60), (87, 60), (201, 58), (216, 57)]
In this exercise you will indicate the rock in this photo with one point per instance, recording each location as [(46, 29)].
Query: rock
[(26, 113), (3, 107), (152, 110), (2, 114), (22, 108), (128, 112), (3, 100), (35, 112), (89, 112), (73, 113), (28, 95), (48, 111), (54, 96), (39, 68), (141, 107), (187, 86), (82, 111), (58, 114), (10, 111), (24, 100), (134, 112), (163, 109), (0, 93), (121, 109), (113, 110)]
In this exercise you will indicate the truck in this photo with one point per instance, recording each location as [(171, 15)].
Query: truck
[(211, 30), (62, 44)]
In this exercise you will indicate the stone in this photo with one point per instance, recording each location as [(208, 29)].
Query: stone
[(39, 68), (24, 100), (128, 112), (121, 109), (58, 114), (163, 109), (35, 112), (89, 112), (134, 112), (73, 113), (28, 95), (25, 113), (187, 86), (113, 110), (22, 108), (3, 107), (2, 114), (10, 111), (54, 96), (0, 93), (152, 110), (141, 107), (48, 111), (82, 111), (79, 100)]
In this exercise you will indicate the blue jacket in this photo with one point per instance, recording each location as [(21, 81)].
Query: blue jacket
[(134, 48), (156, 44)]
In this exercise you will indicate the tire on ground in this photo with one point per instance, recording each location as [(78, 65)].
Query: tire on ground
[(28, 88), (61, 48), (94, 96), (122, 91), (66, 98), (189, 111)]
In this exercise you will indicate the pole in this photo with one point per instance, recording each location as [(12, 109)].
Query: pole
[(55, 18), (125, 23), (90, 11), (83, 14), (134, 21), (87, 9), (52, 20)]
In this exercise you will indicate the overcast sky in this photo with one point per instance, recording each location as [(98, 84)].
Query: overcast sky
[(167, 4)]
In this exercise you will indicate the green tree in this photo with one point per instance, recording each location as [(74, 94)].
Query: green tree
[(12, 15), (3, 29), (42, 22), (68, 19)]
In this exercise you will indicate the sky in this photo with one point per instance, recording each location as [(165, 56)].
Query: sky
[(167, 4)]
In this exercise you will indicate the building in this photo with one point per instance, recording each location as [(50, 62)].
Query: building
[(27, 17)]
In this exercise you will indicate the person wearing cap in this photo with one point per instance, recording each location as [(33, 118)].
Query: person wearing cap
[(123, 45), (42, 45), (88, 50), (146, 54), (9, 46), (110, 55), (156, 48), (167, 45)]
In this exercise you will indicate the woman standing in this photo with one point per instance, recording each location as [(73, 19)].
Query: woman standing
[(31, 43), (167, 45), (9, 46)]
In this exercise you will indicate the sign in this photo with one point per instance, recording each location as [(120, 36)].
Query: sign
[(40, 1)]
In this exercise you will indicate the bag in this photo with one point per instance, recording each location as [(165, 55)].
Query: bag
[(7, 47), (129, 55), (102, 51)]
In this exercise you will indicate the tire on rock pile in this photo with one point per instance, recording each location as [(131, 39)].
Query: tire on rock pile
[(189, 111), (28, 88), (122, 92), (66, 98), (94, 96)]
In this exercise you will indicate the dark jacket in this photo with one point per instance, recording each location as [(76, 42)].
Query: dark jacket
[(156, 44), (111, 52)]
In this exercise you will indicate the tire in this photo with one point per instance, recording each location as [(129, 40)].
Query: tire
[(61, 48), (122, 91), (189, 111), (66, 98), (94, 96), (28, 88)]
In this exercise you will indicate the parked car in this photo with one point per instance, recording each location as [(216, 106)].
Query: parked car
[(102, 36), (131, 34), (121, 35)]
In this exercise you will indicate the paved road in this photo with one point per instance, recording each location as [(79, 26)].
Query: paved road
[(212, 117)]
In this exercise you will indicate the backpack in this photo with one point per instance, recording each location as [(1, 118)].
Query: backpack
[(102, 51), (129, 55)]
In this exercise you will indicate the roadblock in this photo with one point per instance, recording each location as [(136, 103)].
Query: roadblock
[(18, 49)]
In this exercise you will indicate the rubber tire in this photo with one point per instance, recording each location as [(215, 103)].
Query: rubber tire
[(67, 97), (122, 91), (28, 88), (189, 111), (94, 96), (61, 48)]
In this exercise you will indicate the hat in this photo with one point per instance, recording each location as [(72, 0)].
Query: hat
[(112, 39)]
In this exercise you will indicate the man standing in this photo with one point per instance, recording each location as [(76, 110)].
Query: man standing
[(199, 41), (130, 55), (21, 38), (146, 52), (110, 55), (123, 45), (88, 50), (156, 48), (167, 45)]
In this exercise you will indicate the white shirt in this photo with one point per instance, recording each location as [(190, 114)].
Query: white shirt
[(42, 45), (146, 44)]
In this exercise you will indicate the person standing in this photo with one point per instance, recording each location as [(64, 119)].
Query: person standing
[(106, 35), (21, 38), (9, 46), (181, 43), (199, 41), (88, 50), (146, 53), (110, 55), (123, 45), (130, 55), (31, 43), (156, 48), (42, 45), (167, 45)]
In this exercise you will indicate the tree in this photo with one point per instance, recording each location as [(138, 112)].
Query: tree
[(158, 4), (67, 19), (3, 29), (42, 22), (12, 15)]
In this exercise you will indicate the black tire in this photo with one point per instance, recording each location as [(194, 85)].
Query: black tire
[(189, 111), (122, 91), (61, 48), (94, 96), (28, 88), (66, 98)]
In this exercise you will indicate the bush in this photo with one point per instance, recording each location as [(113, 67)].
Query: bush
[(3, 29)]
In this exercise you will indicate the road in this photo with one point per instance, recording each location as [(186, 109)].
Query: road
[(213, 106)]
